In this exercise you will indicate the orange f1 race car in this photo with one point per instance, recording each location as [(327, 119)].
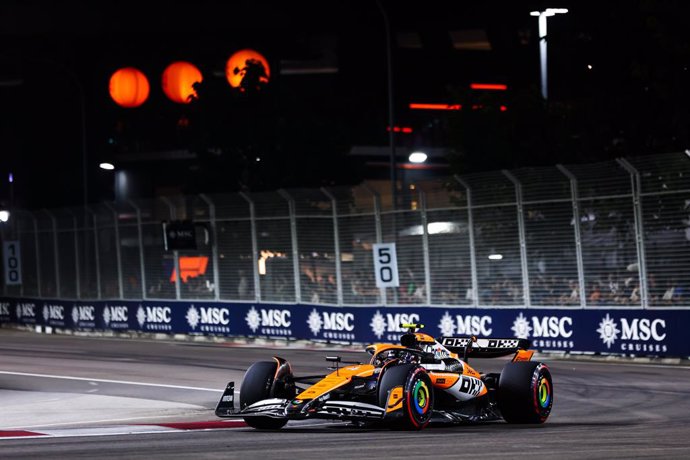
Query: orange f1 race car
[(404, 385)]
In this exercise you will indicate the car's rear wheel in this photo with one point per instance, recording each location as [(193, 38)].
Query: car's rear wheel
[(415, 390), (525, 392), (258, 384)]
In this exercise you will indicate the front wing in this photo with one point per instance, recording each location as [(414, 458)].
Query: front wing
[(292, 410)]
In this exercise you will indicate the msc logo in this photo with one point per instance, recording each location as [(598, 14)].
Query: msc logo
[(337, 322), (4, 309), (26, 310), (213, 316), (465, 325), (154, 314), (391, 322), (636, 329), (544, 326), (83, 313), (115, 314), (267, 318), (53, 312)]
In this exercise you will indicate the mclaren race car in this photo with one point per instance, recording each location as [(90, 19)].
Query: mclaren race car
[(406, 385)]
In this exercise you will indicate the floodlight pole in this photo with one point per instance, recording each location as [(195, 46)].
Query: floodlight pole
[(543, 16)]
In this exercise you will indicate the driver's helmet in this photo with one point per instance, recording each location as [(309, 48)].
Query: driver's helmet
[(388, 356)]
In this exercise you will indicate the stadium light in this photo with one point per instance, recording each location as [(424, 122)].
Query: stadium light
[(4, 216), (543, 15), (107, 166), (417, 157)]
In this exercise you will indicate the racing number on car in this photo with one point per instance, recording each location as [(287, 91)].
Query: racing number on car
[(386, 265), (12, 259)]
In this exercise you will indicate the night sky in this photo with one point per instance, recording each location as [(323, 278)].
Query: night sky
[(618, 75)]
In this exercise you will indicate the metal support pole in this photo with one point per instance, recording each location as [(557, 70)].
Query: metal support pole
[(214, 242), (56, 254), (636, 185), (379, 234), (38, 256), (117, 248), (176, 254), (425, 246), (76, 254), (295, 249), (97, 256), (473, 251), (336, 246), (523, 240), (542, 55), (255, 247), (140, 236), (578, 236)]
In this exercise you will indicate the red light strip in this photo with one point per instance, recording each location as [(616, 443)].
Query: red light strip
[(436, 106), (398, 129), (489, 86)]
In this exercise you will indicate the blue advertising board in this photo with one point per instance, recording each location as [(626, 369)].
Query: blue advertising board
[(617, 331)]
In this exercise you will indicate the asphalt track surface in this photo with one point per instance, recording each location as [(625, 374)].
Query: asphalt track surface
[(83, 388)]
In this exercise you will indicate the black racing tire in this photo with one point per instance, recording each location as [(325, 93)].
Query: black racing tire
[(256, 386), (525, 392), (418, 394)]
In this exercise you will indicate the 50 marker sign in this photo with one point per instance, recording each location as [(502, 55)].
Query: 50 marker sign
[(386, 265), (13, 262)]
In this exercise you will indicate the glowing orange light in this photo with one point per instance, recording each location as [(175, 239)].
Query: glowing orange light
[(247, 69), (178, 80), (436, 106), (489, 86), (129, 87), (190, 267)]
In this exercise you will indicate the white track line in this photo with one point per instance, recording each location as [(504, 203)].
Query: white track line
[(122, 382)]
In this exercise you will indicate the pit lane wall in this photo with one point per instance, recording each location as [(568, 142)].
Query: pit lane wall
[(635, 332)]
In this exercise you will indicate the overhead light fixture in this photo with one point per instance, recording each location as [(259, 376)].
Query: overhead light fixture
[(417, 157), (4, 216), (495, 256), (106, 166)]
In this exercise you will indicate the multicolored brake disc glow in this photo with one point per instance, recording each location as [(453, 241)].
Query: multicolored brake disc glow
[(420, 395), (544, 392)]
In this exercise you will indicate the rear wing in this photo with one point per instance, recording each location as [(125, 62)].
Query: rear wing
[(483, 348)]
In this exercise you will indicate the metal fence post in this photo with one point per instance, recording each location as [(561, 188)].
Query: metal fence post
[(76, 254), (523, 240), (140, 235), (425, 245), (96, 252), (578, 236), (295, 249), (636, 185), (255, 246), (176, 254), (38, 255), (336, 246), (214, 242), (118, 256), (473, 251), (56, 253), (379, 233)]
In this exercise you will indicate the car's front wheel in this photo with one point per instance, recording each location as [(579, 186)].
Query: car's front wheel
[(406, 391), (258, 384)]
